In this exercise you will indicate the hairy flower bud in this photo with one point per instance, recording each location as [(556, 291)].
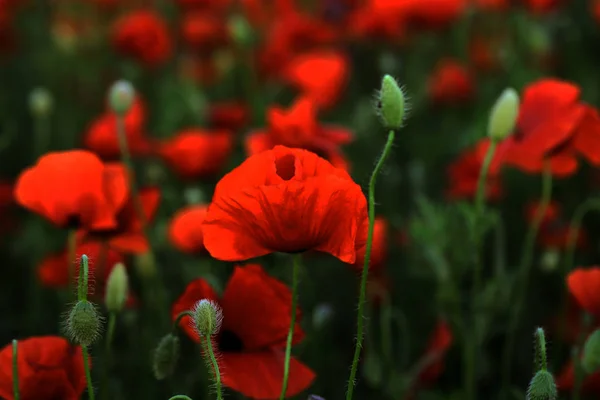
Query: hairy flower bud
[(166, 355), (391, 103), (121, 96), (503, 115), (591, 353), (542, 387), (83, 323), (116, 288), (207, 317), (40, 102)]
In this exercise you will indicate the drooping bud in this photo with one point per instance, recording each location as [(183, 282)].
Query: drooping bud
[(207, 318), (40, 102), (391, 103), (166, 355), (591, 353), (542, 387), (83, 323), (121, 96), (503, 115), (117, 286)]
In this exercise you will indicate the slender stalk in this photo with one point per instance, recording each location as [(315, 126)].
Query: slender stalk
[(41, 126), (524, 272), (365, 272), (72, 256), (112, 321), (579, 373), (180, 316), (215, 367), (15, 370), (180, 397), (88, 375), (290, 336)]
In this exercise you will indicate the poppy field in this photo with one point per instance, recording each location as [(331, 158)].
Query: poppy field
[(299, 199)]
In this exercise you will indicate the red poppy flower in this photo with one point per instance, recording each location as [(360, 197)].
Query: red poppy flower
[(49, 368), (541, 6), (144, 36), (554, 231), (298, 127), (256, 319), (73, 189), (196, 153), (451, 82), (492, 5), (584, 285), (368, 22), (128, 235), (595, 10), (433, 14), (284, 200), (439, 343), (101, 136), (484, 53), (199, 68), (379, 249), (185, 231), (204, 30), (319, 76), (463, 177), (566, 380), (230, 116)]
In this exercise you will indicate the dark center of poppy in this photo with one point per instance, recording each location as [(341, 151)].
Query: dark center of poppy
[(230, 342), (285, 167)]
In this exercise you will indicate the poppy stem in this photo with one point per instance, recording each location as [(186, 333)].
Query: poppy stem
[(71, 255), (179, 318), (88, 375), (15, 370), (112, 321), (180, 397), (215, 367), (288, 347), (524, 272), (365, 272)]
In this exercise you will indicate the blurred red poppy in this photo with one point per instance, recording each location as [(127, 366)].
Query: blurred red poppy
[(256, 319), (433, 359), (231, 116), (584, 285), (451, 82), (185, 230), (284, 200), (204, 31), (555, 229)]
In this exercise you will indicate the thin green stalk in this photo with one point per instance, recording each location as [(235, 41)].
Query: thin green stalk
[(579, 372), (72, 255), (15, 370), (180, 316), (365, 272), (112, 321), (524, 272), (41, 126), (88, 375), (180, 397), (215, 366), (290, 336)]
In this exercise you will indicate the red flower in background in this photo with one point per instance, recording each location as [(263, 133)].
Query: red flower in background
[(439, 343), (463, 178), (541, 6), (555, 229), (49, 368), (73, 189), (231, 116), (451, 82), (284, 200), (298, 127), (185, 230), (196, 153), (144, 36), (203, 30), (101, 136), (256, 319)]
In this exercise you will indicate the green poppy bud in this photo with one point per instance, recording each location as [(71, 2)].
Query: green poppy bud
[(166, 356), (121, 97), (391, 103), (542, 387), (591, 353), (40, 102), (207, 317), (116, 288), (84, 323), (503, 116)]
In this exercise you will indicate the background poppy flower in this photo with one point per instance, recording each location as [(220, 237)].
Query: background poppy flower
[(73, 189), (256, 319), (231, 116), (284, 200), (584, 285), (185, 230), (451, 82), (440, 341), (379, 249), (49, 368)]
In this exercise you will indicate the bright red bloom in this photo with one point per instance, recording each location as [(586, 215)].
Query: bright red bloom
[(256, 319), (73, 189), (451, 82), (185, 231), (320, 76), (196, 153), (49, 368), (101, 136), (463, 177), (284, 200), (439, 343), (203, 30), (298, 127), (144, 36), (231, 116), (584, 285)]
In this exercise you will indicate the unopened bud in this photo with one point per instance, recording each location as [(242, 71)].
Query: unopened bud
[(539, 346), (207, 318), (166, 356), (391, 103), (591, 353), (40, 102), (542, 387), (121, 97), (240, 30), (503, 116), (116, 288), (83, 323)]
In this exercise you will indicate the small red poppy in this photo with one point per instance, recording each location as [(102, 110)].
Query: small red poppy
[(451, 82), (203, 31), (439, 343), (49, 368), (230, 116), (284, 200), (256, 319), (196, 153), (185, 231), (73, 189), (584, 285)]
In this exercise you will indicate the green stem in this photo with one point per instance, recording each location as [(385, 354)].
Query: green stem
[(579, 372), (524, 272), (179, 318), (88, 375), (290, 336), (180, 397), (42, 134), (112, 321), (71, 256), (15, 370), (82, 283), (365, 272), (215, 367)]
